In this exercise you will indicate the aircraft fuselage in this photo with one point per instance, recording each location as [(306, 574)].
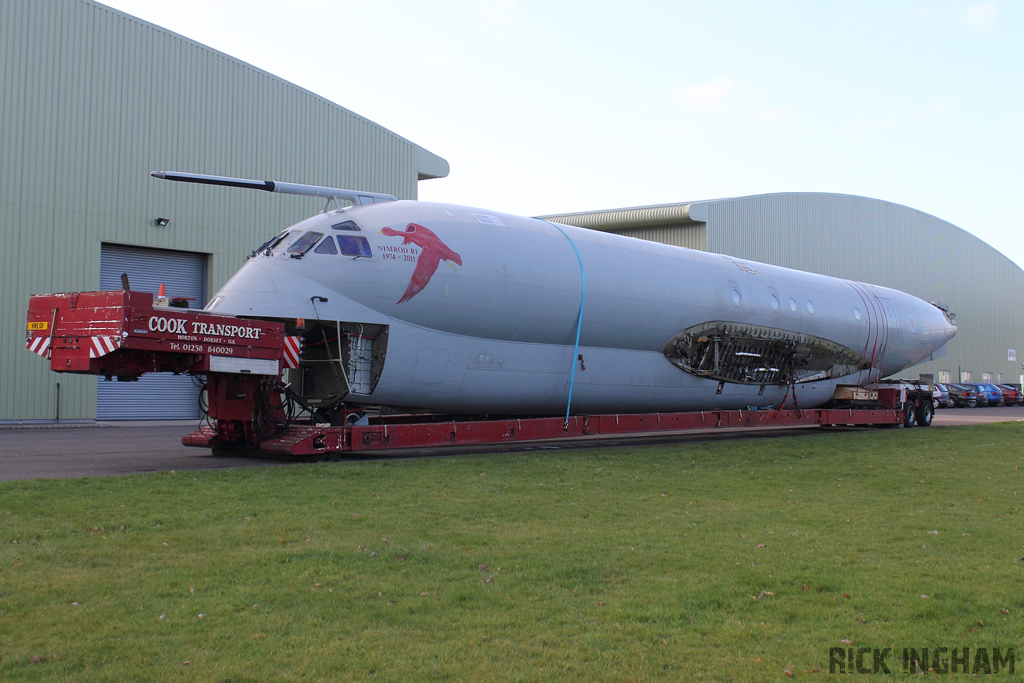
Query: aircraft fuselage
[(461, 310)]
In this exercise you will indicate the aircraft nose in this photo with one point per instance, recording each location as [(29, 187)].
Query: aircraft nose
[(254, 278), (246, 291), (946, 322)]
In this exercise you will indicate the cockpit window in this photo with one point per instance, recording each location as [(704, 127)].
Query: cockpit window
[(304, 243), (353, 245), (326, 247), (347, 225), (270, 244)]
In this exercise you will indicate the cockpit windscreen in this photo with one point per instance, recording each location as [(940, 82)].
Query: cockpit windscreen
[(304, 243), (270, 244)]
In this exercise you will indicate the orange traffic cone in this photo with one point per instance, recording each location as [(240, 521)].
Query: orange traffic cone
[(162, 292)]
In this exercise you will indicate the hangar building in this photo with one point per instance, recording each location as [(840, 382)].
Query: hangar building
[(93, 99), (865, 240)]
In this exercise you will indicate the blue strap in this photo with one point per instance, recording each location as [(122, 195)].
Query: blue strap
[(579, 323)]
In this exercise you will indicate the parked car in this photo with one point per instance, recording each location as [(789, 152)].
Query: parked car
[(1012, 394), (994, 394), (984, 399), (962, 395), (940, 397)]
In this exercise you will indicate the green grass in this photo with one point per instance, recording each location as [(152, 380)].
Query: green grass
[(720, 561)]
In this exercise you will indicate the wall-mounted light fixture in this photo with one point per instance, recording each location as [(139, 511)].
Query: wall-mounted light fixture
[(162, 222)]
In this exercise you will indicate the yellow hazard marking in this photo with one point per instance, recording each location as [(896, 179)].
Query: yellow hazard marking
[(42, 325)]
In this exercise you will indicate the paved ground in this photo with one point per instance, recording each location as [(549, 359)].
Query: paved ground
[(974, 416), (119, 448), (105, 449)]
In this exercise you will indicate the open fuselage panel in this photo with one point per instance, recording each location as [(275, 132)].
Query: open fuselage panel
[(341, 361)]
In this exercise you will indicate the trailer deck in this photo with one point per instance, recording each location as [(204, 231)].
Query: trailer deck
[(410, 432)]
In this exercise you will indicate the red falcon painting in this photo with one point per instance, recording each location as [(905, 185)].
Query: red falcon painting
[(432, 252)]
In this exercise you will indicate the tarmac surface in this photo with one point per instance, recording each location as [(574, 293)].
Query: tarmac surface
[(54, 451), (47, 451)]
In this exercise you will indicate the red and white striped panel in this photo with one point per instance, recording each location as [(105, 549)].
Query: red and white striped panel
[(39, 345), (101, 346), (292, 351)]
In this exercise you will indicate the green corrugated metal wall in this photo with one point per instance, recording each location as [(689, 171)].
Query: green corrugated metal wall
[(686, 235), (91, 101)]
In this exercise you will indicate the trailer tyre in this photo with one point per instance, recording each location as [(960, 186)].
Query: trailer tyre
[(909, 414), (925, 413)]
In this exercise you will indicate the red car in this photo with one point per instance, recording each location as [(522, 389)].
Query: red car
[(1012, 394)]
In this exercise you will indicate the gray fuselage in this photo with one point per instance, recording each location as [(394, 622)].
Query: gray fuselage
[(481, 311)]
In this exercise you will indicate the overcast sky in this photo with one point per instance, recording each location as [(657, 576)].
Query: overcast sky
[(553, 106)]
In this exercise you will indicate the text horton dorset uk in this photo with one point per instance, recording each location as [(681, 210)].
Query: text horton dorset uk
[(936, 660)]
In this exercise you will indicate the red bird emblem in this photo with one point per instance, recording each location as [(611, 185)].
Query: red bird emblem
[(432, 252)]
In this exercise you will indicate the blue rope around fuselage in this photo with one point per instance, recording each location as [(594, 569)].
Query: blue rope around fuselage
[(579, 323)]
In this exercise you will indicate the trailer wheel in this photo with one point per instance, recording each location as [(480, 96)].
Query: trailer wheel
[(909, 413), (925, 413)]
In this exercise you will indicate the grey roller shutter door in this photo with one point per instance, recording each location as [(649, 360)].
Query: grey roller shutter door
[(157, 396)]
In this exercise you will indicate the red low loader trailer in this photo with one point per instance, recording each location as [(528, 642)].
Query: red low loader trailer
[(249, 407)]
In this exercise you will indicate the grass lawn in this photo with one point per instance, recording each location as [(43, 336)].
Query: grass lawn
[(722, 561)]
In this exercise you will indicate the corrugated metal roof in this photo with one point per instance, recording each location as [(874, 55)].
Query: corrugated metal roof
[(428, 164), (635, 217)]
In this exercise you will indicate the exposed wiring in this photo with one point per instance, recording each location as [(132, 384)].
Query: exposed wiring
[(272, 418), (204, 401), (321, 343)]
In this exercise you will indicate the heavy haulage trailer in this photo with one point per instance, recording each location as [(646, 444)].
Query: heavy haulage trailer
[(250, 407)]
